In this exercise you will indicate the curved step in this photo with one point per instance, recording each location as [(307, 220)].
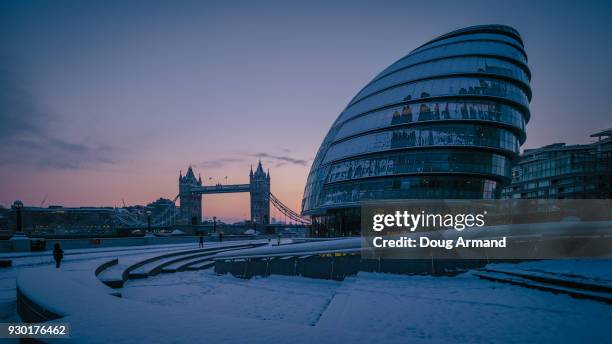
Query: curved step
[(104, 267), (202, 265), (182, 265), (556, 279), (557, 289), (189, 264), (112, 276), (153, 266), (143, 267), (185, 263), (168, 265)]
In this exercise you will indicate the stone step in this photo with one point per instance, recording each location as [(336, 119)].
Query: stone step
[(575, 282), (201, 266), (557, 289)]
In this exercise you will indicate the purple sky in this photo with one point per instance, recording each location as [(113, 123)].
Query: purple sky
[(104, 101)]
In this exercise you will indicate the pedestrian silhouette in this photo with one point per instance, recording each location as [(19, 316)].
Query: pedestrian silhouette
[(201, 241), (58, 254)]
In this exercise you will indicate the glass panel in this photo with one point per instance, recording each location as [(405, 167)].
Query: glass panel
[(455, 65), (435, 88), (423, 136), (451, 161), (471, 37), (462, 48), (410, 187), (428, 111)]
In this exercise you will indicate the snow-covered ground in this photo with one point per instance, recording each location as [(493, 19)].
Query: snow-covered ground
[(200, 306), (286, 298), (395, 308), (72, 258)]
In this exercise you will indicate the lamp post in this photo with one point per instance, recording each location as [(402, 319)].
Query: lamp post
[(214, 224)]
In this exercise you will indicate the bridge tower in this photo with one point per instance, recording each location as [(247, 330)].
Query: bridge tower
[(260, 195), (191, 203)]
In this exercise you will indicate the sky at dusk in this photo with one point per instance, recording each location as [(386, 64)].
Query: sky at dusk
[(107, 100)]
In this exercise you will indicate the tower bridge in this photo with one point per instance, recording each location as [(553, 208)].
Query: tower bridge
[(191, 190)]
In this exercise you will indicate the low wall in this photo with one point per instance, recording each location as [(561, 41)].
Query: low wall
[(6, 246), (338, 266), (67, 244), (330, 259), (26, 243), (115, 242)]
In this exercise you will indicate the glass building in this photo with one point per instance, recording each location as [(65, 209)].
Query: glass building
[(565, 171), (445, 121)]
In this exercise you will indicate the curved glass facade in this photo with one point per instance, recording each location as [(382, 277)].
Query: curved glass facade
[(444, 110), (460, 65), (462, 87), (445, 121), (419, 162), (431, 135)]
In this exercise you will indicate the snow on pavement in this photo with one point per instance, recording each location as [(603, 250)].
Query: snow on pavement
[(367, 307), (393, 308), (464, 309), (287, 298)]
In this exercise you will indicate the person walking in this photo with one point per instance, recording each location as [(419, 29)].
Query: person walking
[(201, 245), (58, 255)]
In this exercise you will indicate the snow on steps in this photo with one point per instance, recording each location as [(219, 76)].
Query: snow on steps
[(538, 280), (112, 276), (179, 264), (183, 265), (297, 249), (142, 268), (153, 266), (115, 275), (577, 282), (201, 265), (32, 285)]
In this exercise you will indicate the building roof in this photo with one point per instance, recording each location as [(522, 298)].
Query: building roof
[(603, 133)]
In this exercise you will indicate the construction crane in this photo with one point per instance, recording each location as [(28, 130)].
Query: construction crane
[(44, 200)]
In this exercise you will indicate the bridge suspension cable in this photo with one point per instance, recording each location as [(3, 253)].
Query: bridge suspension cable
[(285, 210), (166, 218)]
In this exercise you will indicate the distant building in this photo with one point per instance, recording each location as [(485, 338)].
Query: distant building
[(565, 171), (4, 218), (58, 220)]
